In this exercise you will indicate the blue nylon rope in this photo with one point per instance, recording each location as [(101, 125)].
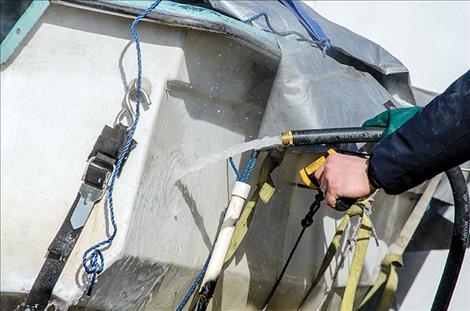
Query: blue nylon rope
[(280, 33), (250, 165), (312, 27), (234, 167), (247, 165), (195, 284), (94, 264)]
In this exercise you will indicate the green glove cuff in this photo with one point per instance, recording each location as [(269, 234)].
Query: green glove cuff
[(392, 120)]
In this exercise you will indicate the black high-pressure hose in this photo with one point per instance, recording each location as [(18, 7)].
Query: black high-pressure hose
[(332, 136), (459, 191), (459, 240)]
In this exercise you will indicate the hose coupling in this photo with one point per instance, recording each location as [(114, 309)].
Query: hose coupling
[(287, 138)]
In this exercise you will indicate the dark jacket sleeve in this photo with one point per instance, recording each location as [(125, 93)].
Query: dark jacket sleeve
[(435, 139)]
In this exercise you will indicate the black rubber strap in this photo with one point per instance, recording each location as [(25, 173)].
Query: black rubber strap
[(59, 251), (110, 142), (103, 156)]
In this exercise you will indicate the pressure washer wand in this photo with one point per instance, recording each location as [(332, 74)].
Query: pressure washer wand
[(331, 136)]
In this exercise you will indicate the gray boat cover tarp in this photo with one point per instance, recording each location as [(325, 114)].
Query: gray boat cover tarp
[(312, 90)]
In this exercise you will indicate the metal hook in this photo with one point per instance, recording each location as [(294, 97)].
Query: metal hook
[(128, 109)]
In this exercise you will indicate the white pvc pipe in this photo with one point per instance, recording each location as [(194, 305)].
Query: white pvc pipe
[(239, 195)]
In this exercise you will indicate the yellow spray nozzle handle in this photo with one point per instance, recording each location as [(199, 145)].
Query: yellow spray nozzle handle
[(307, 174)]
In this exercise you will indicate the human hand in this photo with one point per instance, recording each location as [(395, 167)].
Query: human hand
[(343, 176)]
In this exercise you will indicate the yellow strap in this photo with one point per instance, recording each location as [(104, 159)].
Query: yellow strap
[(264, 191), (389, 290), (241, 227), (355, 210), (331, 252), (389, 277), (357, 262), (335, 242), (400, 244), (267, 190)]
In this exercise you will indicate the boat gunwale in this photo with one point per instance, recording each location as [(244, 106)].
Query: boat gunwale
[(167, 13)]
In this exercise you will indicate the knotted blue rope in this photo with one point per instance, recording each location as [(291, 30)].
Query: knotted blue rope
[(250, 165), (93, 261)]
